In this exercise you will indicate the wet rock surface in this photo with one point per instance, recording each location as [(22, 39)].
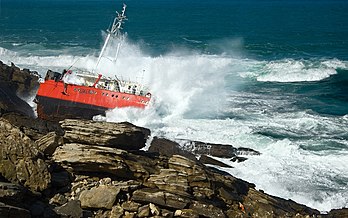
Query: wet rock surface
[(79, 168), (14, 85)]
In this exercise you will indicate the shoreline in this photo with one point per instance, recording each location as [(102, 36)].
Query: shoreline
[(56, 169)]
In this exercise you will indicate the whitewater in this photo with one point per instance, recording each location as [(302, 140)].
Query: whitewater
[(228, 99)]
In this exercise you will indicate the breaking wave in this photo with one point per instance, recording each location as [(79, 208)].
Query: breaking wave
[(289, 70), (200, 97)]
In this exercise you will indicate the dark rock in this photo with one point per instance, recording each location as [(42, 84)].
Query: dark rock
[(33, 128), (124, 136), (60, 179), (169, 148), (208, 160), (37, 209), (229, 196), (238, 159), (11, 193), (71, 209), (10, 102), (216, 150), (247, 151), (11, 211), (257, 204), (336, 213), (24, 82), (13, 82), (20, 159)]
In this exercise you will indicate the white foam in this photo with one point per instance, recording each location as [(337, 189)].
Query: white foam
[(189, 89), (289, 70), (287, 171)]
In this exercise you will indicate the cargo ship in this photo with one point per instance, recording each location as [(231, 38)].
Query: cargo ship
[(83, 94)]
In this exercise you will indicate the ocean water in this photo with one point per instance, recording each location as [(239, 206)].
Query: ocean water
[(271, 75)]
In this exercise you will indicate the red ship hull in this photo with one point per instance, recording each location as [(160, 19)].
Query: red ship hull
[(81, 101)]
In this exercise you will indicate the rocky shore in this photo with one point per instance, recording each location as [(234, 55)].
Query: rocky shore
[(83, 168)]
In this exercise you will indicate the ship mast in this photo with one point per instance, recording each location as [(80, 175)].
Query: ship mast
[(114, 31)]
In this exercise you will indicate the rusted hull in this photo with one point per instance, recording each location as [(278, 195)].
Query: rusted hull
[(56, 109)]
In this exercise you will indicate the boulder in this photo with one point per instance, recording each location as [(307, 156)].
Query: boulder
[(20, 160), (99, 197), (70, 209), (124, 136), (169, 148), (216, 150), (86, 159)]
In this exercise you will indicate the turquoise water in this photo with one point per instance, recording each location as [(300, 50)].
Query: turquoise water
[(271, 75)]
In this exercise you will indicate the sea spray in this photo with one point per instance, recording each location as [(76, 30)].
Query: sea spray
[(191, 91)]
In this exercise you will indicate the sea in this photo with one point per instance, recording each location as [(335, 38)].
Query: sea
[(271, 75)]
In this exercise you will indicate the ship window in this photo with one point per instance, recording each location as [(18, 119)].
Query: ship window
[(103, 93), (116, 96), (124, 97), (107, 94), (112, 95)]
